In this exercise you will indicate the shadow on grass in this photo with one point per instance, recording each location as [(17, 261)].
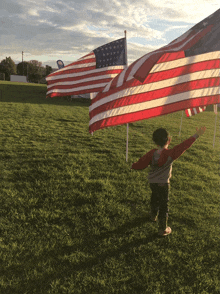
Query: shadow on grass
[(65, 120), (41, 99), (65, 267)]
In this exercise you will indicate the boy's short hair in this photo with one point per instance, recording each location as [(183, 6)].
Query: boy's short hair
[(160, 137)]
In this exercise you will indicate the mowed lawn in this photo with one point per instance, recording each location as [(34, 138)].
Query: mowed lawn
[(74, 217)]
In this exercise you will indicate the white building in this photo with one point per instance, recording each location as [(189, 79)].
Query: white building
[(16, 78)]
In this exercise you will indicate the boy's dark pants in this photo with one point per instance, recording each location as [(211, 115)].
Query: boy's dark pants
[(159, 203)]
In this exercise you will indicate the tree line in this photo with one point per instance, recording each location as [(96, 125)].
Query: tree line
[(33, 70)]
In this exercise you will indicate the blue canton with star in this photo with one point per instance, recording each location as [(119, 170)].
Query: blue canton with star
[(211, 41), (111, 54)]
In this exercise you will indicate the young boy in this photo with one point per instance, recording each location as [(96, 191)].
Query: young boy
[(160, 161)]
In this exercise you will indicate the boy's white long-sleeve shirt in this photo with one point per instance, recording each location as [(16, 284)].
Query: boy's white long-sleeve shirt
[(161, 161)]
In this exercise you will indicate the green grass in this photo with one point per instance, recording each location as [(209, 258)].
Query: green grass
[(74, 218)]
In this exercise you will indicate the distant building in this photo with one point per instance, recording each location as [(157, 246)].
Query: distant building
[(17, 78)]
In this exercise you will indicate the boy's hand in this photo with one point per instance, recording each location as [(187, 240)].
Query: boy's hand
[(200, 131)]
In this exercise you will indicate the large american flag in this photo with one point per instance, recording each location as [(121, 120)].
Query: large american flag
[(181, 75), (90, 73)]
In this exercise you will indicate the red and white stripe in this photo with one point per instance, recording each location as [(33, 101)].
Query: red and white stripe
[(80, 77), (194, 110), (174, 83), (184, 42)]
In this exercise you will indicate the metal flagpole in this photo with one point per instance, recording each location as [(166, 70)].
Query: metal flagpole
[(216, 112), (181, 123), (126, 62), (127, 144), (92, 95)]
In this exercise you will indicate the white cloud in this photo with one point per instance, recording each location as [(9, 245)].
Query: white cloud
[(136, 50), (183, 10), (33, 12), (73, 28)]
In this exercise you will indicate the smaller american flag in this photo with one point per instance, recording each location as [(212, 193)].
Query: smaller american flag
[(89, 74), (194, 110)]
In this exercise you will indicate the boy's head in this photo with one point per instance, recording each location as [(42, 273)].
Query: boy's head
[(160, 137)]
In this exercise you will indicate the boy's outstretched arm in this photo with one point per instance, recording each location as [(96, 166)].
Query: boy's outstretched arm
[(144, 161), (181, 148)]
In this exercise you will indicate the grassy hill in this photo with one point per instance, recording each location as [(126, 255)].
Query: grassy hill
[(20, 92), (74, 217)]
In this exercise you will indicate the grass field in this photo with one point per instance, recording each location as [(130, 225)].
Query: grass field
[(74, 217)]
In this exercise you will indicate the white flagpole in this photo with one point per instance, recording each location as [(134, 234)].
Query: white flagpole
[(216, 112), (127, 123), (181, 123), (127, 144), (92, 95)]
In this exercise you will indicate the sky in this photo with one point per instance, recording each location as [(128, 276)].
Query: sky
[(48, 30)]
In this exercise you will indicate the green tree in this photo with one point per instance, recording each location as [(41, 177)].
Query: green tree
[(2, 76), (48, 70), (35, 71), (8, 67), (22, 68)]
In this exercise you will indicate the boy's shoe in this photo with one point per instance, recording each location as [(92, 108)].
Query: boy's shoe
[(153, 218), (166, 232)]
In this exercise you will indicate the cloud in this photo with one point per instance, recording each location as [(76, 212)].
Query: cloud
[(183, 10), (69, 29), (33, 12), (11, 7), (136, 50)]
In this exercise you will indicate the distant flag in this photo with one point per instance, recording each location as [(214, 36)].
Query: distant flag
[(60, 64), (190, 112), (181, 75), (194, 110), (90, 73)]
